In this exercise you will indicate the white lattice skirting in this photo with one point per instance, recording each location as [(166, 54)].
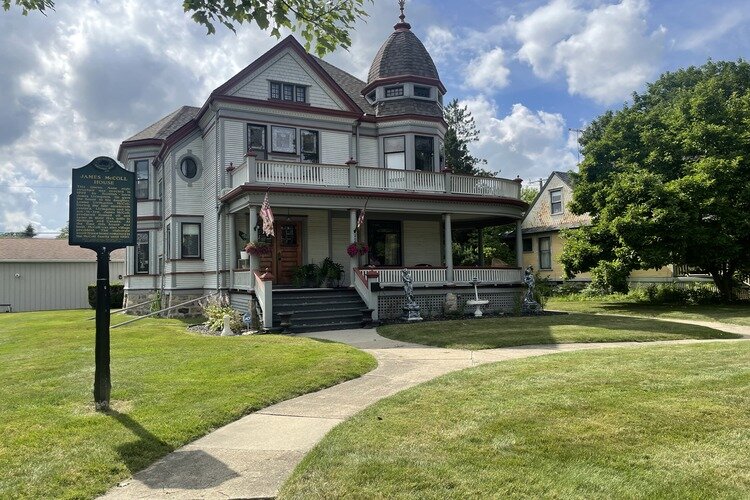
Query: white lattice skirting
[(431, 302)]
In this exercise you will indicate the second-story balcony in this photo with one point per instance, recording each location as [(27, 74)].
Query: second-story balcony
[(353, 177)]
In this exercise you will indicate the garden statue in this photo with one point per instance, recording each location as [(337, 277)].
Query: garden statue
[(411, 309), (530, 306), (451, 304), (227, 331)]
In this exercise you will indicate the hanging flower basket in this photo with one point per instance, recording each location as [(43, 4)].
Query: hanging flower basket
[(258, 249), (357, 248)]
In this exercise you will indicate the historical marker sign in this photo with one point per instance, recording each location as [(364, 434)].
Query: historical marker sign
[(102, 218), (102, 206)]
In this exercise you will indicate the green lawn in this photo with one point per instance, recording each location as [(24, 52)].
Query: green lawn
[(489, 333), (168, 388), (645, 422), (738, 314)]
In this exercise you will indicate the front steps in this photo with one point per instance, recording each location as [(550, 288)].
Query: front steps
[(316, 310)]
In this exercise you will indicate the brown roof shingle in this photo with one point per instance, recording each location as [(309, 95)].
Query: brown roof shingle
[(49, 250)]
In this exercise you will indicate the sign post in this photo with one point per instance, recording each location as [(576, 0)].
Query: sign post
[(102, 218)]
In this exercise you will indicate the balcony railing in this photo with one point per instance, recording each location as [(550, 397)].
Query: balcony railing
[(353, 177)]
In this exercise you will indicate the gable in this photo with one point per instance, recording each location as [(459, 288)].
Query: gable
[(540, 215), (288, 67)]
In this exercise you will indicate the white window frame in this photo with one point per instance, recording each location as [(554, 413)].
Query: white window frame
[(552, 202)]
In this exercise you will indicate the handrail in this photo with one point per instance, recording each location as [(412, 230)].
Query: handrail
[(161, 311), (125, 309)]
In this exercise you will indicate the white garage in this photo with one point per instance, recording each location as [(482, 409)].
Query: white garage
[(39, 274)]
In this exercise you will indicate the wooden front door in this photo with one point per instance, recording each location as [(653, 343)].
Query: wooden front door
[(287, 251)]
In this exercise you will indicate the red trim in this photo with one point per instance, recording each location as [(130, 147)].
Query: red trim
[(175, 137), (404, 79), (361, 276), (136, 143), (374, 194), (149, 217), (286, 105)]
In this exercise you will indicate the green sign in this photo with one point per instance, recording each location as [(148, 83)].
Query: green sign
[(102, 205)]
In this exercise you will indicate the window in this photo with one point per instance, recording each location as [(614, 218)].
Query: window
[(424, 153), (160, 188), (141, 252), (189, 168), (141, 179), (191, 240), (394, 152), (441, 152), (371, 96), (394, 91), (440, 98), (555, 199), (545, 254), (256, 139), (169, 242), (309, 140), (283, 140), (527, 245), (288, 92), (275, 90), (384, 239), (420, 91)]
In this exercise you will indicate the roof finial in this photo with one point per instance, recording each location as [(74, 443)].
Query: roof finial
[(402, 25)]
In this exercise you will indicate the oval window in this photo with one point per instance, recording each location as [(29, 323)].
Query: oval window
[(189, 168)]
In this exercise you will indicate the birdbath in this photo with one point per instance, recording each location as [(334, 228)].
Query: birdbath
[(476, 302)]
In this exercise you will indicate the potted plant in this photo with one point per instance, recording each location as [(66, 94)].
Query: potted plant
[(357, 248), (331, 272), (243, 253), (306, 276), (258, 248)]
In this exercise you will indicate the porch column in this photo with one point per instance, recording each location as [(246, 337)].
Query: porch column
[(480, 246), (352, 239), (232, 248), (519, 245), (252, 236), (448, 248)]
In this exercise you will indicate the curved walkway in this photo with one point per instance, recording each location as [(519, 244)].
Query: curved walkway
[(252, 457)]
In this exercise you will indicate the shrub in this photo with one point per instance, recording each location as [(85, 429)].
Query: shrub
[(116, 295), (673, 293), (308, 275), (610, 277), (214, 309), (331, 271)]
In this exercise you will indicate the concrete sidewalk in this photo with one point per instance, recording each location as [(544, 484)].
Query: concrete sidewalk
[(252, 457)]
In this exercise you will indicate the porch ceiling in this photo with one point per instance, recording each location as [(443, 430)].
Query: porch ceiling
[(464, 209)]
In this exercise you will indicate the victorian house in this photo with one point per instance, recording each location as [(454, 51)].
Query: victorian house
[(322, 146)]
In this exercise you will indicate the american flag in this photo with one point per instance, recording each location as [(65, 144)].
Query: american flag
[(361, 218), (267, 216)]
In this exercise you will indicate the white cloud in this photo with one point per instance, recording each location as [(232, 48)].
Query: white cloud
[(523, 142), (710, 32), (605, 54), (488, 71)]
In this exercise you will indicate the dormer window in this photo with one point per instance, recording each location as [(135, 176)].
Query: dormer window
[(288, 92), (396, 91), (420, 91)]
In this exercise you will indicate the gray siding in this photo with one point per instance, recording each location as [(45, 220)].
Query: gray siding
[(49, 285)]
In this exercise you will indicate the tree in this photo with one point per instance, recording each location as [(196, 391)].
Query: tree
[(64, 232), (461, 132), (28, 232), (324, 24), (666, 179)]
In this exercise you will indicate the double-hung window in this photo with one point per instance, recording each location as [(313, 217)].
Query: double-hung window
[(141, 252), (555, 201), (545, 253), (190, 240), (256, 139), (424, 153), (394, 148), (310, 148), (527, 245), (141, 179)]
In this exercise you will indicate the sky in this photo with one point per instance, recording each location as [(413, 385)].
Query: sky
[(89, 74)]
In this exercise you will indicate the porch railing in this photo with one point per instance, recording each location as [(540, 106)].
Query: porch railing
[(354, 177), (487, 275), (243, 279), (421, 276), (312, 174)]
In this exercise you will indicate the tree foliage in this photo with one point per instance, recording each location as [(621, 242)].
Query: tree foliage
[(666, 179), (64, 232), (324, 25), (461, 132), (28, 232)]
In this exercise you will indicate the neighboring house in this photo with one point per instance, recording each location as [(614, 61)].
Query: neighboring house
[(542, 241), (39, 274), (322, 145)]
